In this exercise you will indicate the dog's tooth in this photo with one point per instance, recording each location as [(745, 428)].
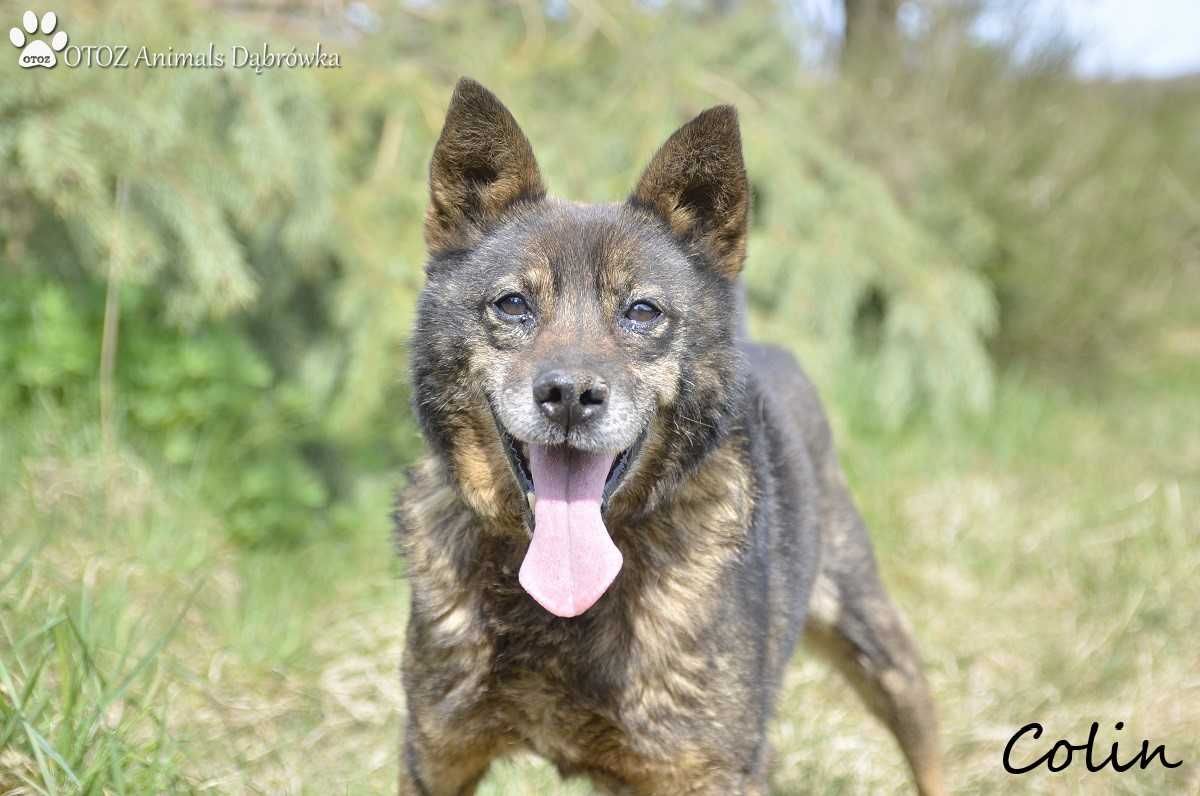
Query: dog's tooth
[(531, 499)]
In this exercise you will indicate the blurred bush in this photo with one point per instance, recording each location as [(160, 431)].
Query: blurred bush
[(257, 238), (1083, 196)]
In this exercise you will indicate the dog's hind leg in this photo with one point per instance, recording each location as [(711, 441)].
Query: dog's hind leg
[(853, 624)]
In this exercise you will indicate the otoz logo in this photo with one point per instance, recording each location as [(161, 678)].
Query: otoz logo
[(35, 52)]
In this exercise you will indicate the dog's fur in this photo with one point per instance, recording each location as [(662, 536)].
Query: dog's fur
[(734, 521)]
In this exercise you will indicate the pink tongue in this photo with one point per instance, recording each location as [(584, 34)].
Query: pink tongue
[(571, 560)]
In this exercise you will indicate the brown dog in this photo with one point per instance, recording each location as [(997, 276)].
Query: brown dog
[(628, 515)]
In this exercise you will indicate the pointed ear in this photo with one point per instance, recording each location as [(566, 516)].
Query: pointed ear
[(696, 183), (482, 163)]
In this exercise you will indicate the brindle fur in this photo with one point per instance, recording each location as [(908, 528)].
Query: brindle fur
[(736, 527)]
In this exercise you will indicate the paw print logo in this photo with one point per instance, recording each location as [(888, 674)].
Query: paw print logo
[(35, 52)]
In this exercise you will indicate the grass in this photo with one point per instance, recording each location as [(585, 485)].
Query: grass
[(1047, 559)]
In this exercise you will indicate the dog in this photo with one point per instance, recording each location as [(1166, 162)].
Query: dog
[(629, 514)]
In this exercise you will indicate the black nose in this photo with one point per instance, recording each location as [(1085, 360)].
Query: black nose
[(570, 399)]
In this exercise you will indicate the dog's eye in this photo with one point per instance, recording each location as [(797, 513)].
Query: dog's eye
[(513, 305), (642, 312)]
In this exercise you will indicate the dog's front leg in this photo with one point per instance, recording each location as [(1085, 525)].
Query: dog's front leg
[(436, 762)]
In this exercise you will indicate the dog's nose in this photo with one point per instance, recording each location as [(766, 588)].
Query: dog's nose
[(570, 399)]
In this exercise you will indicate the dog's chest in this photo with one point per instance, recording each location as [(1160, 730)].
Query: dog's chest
[(560, 686), (545, 716)]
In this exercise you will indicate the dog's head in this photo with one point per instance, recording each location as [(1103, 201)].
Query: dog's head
[(573, 362)]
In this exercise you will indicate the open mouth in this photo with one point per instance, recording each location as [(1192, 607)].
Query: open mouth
[(518, 459), (571, 560)]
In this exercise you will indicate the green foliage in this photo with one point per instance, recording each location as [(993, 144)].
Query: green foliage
[(190, 190), (209, 399), (203, 399), (168, 178), (45, 345)]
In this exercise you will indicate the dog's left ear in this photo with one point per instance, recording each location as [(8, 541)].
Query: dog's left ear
[(697, 184), (482, 164)]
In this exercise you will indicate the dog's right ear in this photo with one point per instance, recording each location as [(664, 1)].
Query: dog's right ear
[(481, 165)]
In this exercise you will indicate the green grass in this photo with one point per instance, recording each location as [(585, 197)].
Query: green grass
[(1046, 557)]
